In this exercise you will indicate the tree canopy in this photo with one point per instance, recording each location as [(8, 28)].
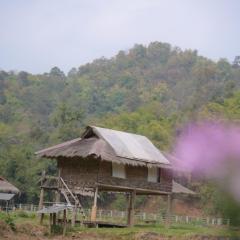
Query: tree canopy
[(152, 90)]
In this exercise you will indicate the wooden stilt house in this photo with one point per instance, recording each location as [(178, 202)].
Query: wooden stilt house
[(108, 160)]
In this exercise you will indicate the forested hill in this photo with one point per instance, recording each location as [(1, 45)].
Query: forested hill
[(149, 90)]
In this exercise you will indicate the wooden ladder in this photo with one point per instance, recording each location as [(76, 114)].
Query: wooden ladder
[(71, 199)]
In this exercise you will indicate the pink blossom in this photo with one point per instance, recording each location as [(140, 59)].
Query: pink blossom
[(213, 150)]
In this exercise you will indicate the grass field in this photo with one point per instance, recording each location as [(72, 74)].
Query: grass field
[(172, 231), (23, 225)]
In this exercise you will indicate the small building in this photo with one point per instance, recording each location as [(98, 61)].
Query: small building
[(108, 160), (7, 193)]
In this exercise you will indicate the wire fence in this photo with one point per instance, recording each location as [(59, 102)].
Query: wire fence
[(139, 217)]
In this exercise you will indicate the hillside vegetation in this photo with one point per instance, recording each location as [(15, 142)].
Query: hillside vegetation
[(152, 90)]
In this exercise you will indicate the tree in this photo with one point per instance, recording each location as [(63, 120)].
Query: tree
[(56, 72), (236, 62)]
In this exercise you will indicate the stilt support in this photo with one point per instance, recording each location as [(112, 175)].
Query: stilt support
[(132, 197), (169, 209), (54, 219), (74, 214), (57, 201), (94, 207), (40, 206), (50, 223), (64, 221), (41, 218)]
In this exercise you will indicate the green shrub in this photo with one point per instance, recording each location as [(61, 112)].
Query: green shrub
[(22, 214), (8, 220), (57, 229)]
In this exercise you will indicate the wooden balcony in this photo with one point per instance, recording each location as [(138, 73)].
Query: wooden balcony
[(118, 185), (142, 187)]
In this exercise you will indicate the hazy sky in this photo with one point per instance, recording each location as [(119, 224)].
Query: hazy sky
[(36, 35)]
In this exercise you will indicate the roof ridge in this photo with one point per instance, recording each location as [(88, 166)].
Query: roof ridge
[(118, 131), (58, 145)]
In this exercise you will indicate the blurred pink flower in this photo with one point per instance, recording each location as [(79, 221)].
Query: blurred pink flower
[(212, 150)]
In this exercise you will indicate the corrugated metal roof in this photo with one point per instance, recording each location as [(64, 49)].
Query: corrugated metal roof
[(6, 196), (110, 145), (132, 146), (178, 188)]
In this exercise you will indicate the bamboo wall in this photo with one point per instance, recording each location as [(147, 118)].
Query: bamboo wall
[(84, 173)]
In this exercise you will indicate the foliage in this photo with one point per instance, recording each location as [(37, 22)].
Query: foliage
[(151, 90), (22, 214), (8, 220), (216, 201)]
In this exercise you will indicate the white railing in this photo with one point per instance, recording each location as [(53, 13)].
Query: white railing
[(140, 217)]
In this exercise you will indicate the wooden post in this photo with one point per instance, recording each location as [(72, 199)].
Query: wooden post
[(169, 209), (54, 219), (41, 218), (50, 224), (41, 198), (132, 196), (94, 207), (57, 197), (57, 201), (57, 193), (64, 221), (40, 206), (74, 213)]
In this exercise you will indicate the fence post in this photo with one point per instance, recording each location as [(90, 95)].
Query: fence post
[(228, 222)]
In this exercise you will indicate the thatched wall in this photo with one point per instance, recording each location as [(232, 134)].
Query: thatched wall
[(85, 173)]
